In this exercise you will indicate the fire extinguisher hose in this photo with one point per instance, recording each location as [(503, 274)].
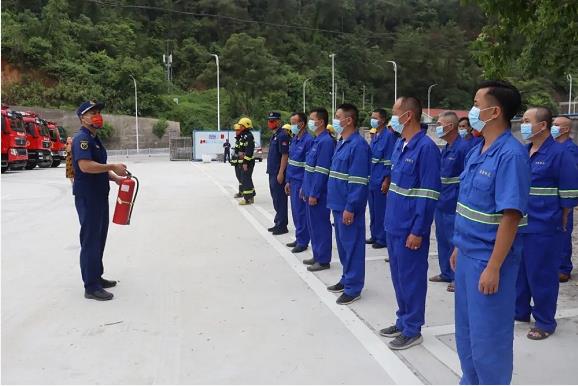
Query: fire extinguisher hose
[(130, 175)]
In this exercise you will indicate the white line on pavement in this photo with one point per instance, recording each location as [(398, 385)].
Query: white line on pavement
[(399, 372)]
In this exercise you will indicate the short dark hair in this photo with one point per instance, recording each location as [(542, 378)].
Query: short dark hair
[(411, 103), (464, 119), (351, 110), (507, 96), (543, 114), (382, 113), (301, 115), (322, 114)]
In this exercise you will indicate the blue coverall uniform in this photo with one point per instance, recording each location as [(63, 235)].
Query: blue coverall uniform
[(278, 147), (492, 181), (318, 162), (381, 150), (295, 172), (566, 265), (411, 201), (452, 165), (347, 189), (91, 201), (554, 186)]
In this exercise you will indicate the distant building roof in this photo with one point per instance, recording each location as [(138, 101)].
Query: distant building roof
[(436, 112)]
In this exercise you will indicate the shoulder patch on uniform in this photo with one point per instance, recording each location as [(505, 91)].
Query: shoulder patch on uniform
[(84, 145)]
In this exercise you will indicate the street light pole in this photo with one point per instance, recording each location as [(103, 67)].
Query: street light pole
[(333, 98), (395, 79), (135, 111), (428, 99), (304, 82), (569, 77), (218, 94), (363, 100)]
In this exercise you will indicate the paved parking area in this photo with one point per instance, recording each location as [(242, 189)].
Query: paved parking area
[(207, 295)]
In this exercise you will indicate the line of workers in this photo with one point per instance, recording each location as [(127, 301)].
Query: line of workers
[(503, 212)]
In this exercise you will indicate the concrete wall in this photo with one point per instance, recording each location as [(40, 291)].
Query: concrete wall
[(124, 136)]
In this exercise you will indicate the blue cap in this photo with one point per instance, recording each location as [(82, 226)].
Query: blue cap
[(89, 105), (274, 115)]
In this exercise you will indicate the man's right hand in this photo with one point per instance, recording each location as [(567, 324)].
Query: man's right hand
[(312, 201), (454, 259), (287, 189), (119, 169)]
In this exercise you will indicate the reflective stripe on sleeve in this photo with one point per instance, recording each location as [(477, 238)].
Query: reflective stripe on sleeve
[(484, 218), (414, 192), (450, 180), (535, 191), (297, 163), (568, 193), (319, 169)]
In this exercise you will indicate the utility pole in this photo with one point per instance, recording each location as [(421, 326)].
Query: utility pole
[(395, 79), (569, 77), (333, 98), (135, 111), (304, 82), (218, 93), (428, 99), (363, 100)]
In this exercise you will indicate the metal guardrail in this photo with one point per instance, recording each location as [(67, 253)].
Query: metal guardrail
[(150, 152)]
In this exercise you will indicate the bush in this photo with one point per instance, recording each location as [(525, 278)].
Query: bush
[(106, 131), (160, 128)]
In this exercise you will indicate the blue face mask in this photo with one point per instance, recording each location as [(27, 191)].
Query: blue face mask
[(440, 131), (337, 126), (555, 131), (374, 123), (463, 132), (526, 131), (311, 125), (396, 125), (475, 122), (295, 129)]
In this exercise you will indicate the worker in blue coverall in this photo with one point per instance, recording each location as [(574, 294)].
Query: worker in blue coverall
[(466, 132), (314, 191), (553, 194), (492, 205), (300, 145), (277, 160), (452, 165), (382, 145), (91, 186), (347, 191), (562, 126), (411, 201)]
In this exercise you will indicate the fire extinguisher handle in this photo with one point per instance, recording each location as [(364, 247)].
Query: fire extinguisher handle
[(128, 174)]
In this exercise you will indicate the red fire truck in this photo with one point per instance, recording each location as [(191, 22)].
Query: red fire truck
[(14, 154), (58, 147), (37, 141)]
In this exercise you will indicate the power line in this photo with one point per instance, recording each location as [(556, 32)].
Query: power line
[(235, 19)]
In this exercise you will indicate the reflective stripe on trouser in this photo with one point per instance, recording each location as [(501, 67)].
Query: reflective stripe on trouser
[(239, 179), (377, 204), (485, 323), (444, 233), (409, 277), (320, 230), (566, 261), (247, 187), (299, 215), (538, 279), (279, 201), (350, 241), (93, 217)]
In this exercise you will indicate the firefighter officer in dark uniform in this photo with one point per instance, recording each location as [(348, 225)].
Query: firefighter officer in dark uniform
[(91, 186), (245, 161), (277, 160)]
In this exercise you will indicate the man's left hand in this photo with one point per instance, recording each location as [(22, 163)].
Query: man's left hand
[(347, 217), (413, 242), (280, 178)]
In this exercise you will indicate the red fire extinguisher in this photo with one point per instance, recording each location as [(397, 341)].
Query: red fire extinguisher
[(125, 200)]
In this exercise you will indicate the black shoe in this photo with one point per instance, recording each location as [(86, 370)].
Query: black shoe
[(310, 261), (238, 195), (271, 229), (370, 241), (107, 283), (98, 295), (345, 299), (317, 267), (336, 288), (403, 342), (280, 231), (523, 320), (292, 244), (378, 245), (299, 249), (390, 332)]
